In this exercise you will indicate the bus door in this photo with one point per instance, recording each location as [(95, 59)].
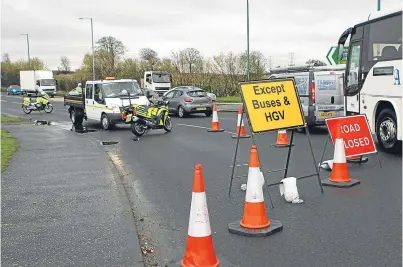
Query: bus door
[(353, 80)]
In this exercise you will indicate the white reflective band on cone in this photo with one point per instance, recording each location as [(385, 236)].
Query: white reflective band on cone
[(339, 153), (282, 131), (199, 221), (254, 191), (239, 120), (215, 116)]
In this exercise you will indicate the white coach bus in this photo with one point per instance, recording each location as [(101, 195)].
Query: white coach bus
[(372, 84)]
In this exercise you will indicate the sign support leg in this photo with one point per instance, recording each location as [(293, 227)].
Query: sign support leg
[(313, 157), (289, 154), (236, 153), (323, 152)]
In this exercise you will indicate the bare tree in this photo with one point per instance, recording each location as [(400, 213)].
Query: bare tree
[(179, 62), (149, 55), (6, 58), (192, 56), (64, 64), (111, 50), (316, 62)]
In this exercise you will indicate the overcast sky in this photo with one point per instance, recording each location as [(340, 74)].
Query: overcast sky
[(306, 28)]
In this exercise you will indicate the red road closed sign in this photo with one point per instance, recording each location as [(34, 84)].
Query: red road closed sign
[(355, 132)]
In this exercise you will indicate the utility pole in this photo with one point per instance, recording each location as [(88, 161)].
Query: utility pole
[(270, 63), (379, 5), (247, 42), (291, 59), (93, 52), (29, 58)]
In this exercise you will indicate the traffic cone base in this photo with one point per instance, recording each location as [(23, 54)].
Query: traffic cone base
[(223, 263), (215, 131), (241, 136), (357, 159), (353, 182), (276, 145), (236, 228)]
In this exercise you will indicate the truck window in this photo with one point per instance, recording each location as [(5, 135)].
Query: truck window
[(88, 91), (302, 84), (161, 77), (98, 96)]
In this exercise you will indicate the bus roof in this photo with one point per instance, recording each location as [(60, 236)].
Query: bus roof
[(306, 68), (379, 14)]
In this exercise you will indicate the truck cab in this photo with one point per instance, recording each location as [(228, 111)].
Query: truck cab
[(157, 81), (104, 100), (41, 80)]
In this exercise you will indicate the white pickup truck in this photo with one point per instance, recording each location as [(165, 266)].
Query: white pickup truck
[(103, 101)]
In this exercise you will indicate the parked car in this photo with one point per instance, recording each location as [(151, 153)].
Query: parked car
[(185, 100), (212, 96), (14, 90)]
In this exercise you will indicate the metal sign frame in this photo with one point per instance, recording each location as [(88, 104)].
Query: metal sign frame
[(285, 169)]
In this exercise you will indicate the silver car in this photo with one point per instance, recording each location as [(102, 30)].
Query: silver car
[(185, 100)]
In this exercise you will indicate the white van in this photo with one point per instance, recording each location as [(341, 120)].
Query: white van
[(320, 90), (104, 101)]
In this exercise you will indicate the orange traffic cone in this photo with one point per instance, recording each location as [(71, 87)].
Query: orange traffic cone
[(282, 139), (199, 250), (340, 176), (215, 125), (240, 127), (357, 159), (254, 220)]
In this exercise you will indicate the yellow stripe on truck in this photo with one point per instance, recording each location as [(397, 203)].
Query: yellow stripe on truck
[(103, 107)]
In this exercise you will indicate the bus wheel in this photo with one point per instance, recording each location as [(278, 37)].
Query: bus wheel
[(386, 130)]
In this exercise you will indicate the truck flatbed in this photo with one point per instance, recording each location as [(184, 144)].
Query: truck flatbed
[(74, 101)]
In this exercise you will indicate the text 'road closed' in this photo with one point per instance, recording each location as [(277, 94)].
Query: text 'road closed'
[(355, 132), (272, 105)]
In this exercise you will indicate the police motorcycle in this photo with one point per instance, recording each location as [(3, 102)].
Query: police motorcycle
[(41, 103), (143, 118)]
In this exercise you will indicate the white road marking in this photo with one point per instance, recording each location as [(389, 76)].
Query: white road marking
[(3, 100), (16, 103), (200, 127)]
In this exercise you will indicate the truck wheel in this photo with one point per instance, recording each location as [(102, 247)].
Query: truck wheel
[(386, 131), (52, 96), (76, 117), (106, 124)]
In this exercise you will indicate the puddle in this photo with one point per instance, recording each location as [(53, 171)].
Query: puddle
[(108, 143), (42, 122)]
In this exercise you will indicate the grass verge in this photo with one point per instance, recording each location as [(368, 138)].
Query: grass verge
[(4, 119), (229, 99), (9, 145)]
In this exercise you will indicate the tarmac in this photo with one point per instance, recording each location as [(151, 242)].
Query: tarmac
[(63, 205)]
